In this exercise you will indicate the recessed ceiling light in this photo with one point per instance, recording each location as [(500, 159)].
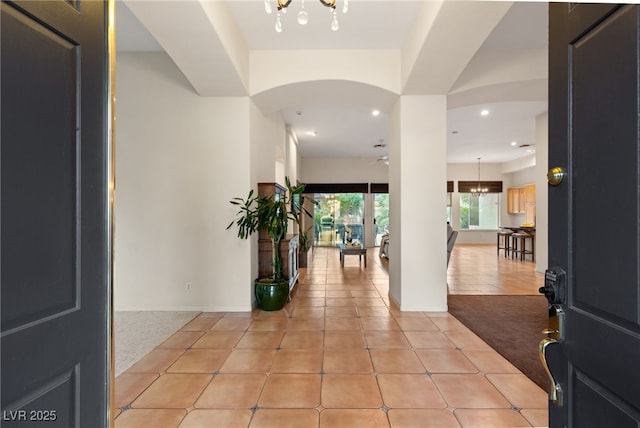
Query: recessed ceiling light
[(514, 143), (375, 112), (484, 112)]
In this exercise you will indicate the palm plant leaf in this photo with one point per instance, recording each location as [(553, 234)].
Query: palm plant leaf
[(271, 214)]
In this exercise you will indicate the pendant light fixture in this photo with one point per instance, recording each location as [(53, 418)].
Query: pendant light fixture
[(479, 189), (303, 16)]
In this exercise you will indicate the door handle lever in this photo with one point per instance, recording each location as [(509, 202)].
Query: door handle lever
[(555, 390), (555, 334)]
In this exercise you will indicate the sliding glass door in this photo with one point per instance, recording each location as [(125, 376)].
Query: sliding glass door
[(380, 216), (338, 218)]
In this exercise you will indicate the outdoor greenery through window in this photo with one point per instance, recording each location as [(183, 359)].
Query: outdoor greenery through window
[(479, 212), (381, 216), (338, 216)]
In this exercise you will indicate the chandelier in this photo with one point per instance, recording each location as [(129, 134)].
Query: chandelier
[(303, 16), (478, 188)]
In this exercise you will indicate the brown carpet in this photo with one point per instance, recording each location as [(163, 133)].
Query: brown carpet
[(511, 325)]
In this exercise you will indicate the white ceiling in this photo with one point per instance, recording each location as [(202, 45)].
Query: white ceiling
[(347, 129), (367, 25)]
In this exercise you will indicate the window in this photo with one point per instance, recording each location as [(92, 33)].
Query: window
[(449, 198), (338, 216), (380, 216), (479, 212)]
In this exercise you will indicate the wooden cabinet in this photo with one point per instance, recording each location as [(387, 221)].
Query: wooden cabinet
[(522, 200), (288, 246), (289, 257), (513, 200), (530, 204)]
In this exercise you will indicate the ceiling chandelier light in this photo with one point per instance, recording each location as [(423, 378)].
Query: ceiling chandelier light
[(303, 16), (479, 189)]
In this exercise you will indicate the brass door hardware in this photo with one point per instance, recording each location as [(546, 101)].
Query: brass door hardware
[(556, 175)]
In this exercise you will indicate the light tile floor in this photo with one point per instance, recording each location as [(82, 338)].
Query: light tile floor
[(477, 269), (338, 355)]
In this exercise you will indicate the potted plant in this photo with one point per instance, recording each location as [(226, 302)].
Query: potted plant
[(305, 246), (272, 214)]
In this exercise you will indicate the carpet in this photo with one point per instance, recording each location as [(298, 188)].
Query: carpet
[(511, 325), (138, 332)]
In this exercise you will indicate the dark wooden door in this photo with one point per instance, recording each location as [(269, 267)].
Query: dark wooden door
[(55, 257), (594, 217)]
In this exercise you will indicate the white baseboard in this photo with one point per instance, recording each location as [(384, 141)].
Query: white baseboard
[(183, 308), (405, 308)]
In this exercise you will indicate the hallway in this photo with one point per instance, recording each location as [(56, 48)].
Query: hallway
[(339, 355)]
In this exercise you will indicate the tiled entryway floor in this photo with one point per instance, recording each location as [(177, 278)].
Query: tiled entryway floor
[(338, 355)]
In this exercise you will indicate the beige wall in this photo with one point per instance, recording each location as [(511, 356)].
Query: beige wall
[(542, 192), (179, 159), (342, 170), (417, 201)]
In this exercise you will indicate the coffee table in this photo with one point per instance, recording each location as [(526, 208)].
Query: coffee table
[(358, 250)]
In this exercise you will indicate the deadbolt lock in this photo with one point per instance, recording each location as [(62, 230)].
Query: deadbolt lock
[(556, 175)]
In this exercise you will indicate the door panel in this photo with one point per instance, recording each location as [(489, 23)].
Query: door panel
[(55, 257), (47, 155), (598, 408), (582, 18), (594, 233), (607, 113)]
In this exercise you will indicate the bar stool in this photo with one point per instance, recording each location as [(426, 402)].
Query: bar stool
[(504, 241), (519, 245)]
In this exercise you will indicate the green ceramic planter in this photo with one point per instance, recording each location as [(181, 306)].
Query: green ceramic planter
[(271, 296)]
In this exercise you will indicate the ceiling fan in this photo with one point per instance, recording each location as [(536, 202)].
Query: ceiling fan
[(383, 158), (530, 148), (379, 159)]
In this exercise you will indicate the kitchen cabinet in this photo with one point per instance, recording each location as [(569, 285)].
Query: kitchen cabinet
[(513, 200), (522, 200)]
